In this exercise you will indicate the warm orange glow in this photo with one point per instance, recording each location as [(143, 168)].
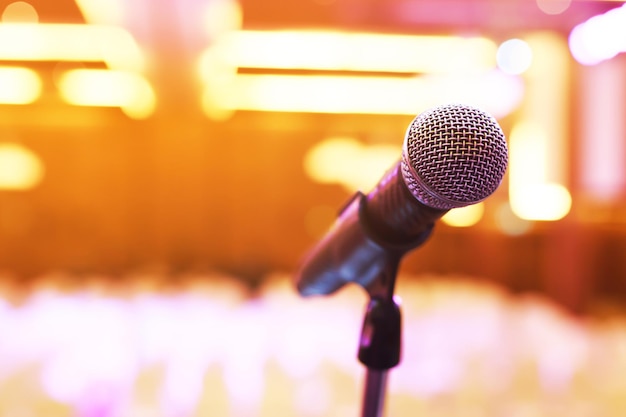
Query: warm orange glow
[(318, 219), (70, 42), (464, 216), (20, 169), (345, 51), (89, 87), (19, 85)]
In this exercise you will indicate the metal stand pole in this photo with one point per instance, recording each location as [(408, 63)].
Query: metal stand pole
[(380, 342), (374, 395)]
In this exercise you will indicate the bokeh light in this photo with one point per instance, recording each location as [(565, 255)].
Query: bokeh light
[(599, 38), (533, 196), (147, 265), (553, 7), (514, 56), (350, 163), (20, 168), (509, 223), (547, 202), (276, 354), (20, 12), (464, 216)]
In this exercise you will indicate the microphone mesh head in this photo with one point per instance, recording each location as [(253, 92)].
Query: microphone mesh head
[(453, 156)]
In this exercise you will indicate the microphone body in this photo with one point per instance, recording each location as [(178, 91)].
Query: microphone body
[(363, 240), (452, 156)]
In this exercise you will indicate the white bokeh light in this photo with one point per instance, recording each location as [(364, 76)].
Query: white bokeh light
[(553, 7), (600, 38), (514, 56)]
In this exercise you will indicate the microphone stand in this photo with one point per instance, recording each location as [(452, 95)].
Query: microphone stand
[(380, 341), (372, 261)]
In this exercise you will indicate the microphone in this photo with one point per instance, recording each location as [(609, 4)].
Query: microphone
[(453, 156)]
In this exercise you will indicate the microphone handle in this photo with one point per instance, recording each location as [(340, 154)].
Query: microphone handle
[(371, 233)]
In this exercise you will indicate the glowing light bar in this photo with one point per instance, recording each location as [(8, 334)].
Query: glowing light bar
[(538, 143), (600, 38), (69, 42), (325, 50), (90, 87), (532, 195), (398, 74), (19, 85), (495, 92)]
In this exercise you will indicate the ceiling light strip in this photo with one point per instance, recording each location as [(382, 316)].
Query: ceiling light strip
[(69, 42), (368, 52)]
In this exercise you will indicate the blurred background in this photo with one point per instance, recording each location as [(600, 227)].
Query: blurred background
[(164, 166)]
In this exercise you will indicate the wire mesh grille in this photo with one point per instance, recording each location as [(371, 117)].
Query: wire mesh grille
[(454, 155)]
